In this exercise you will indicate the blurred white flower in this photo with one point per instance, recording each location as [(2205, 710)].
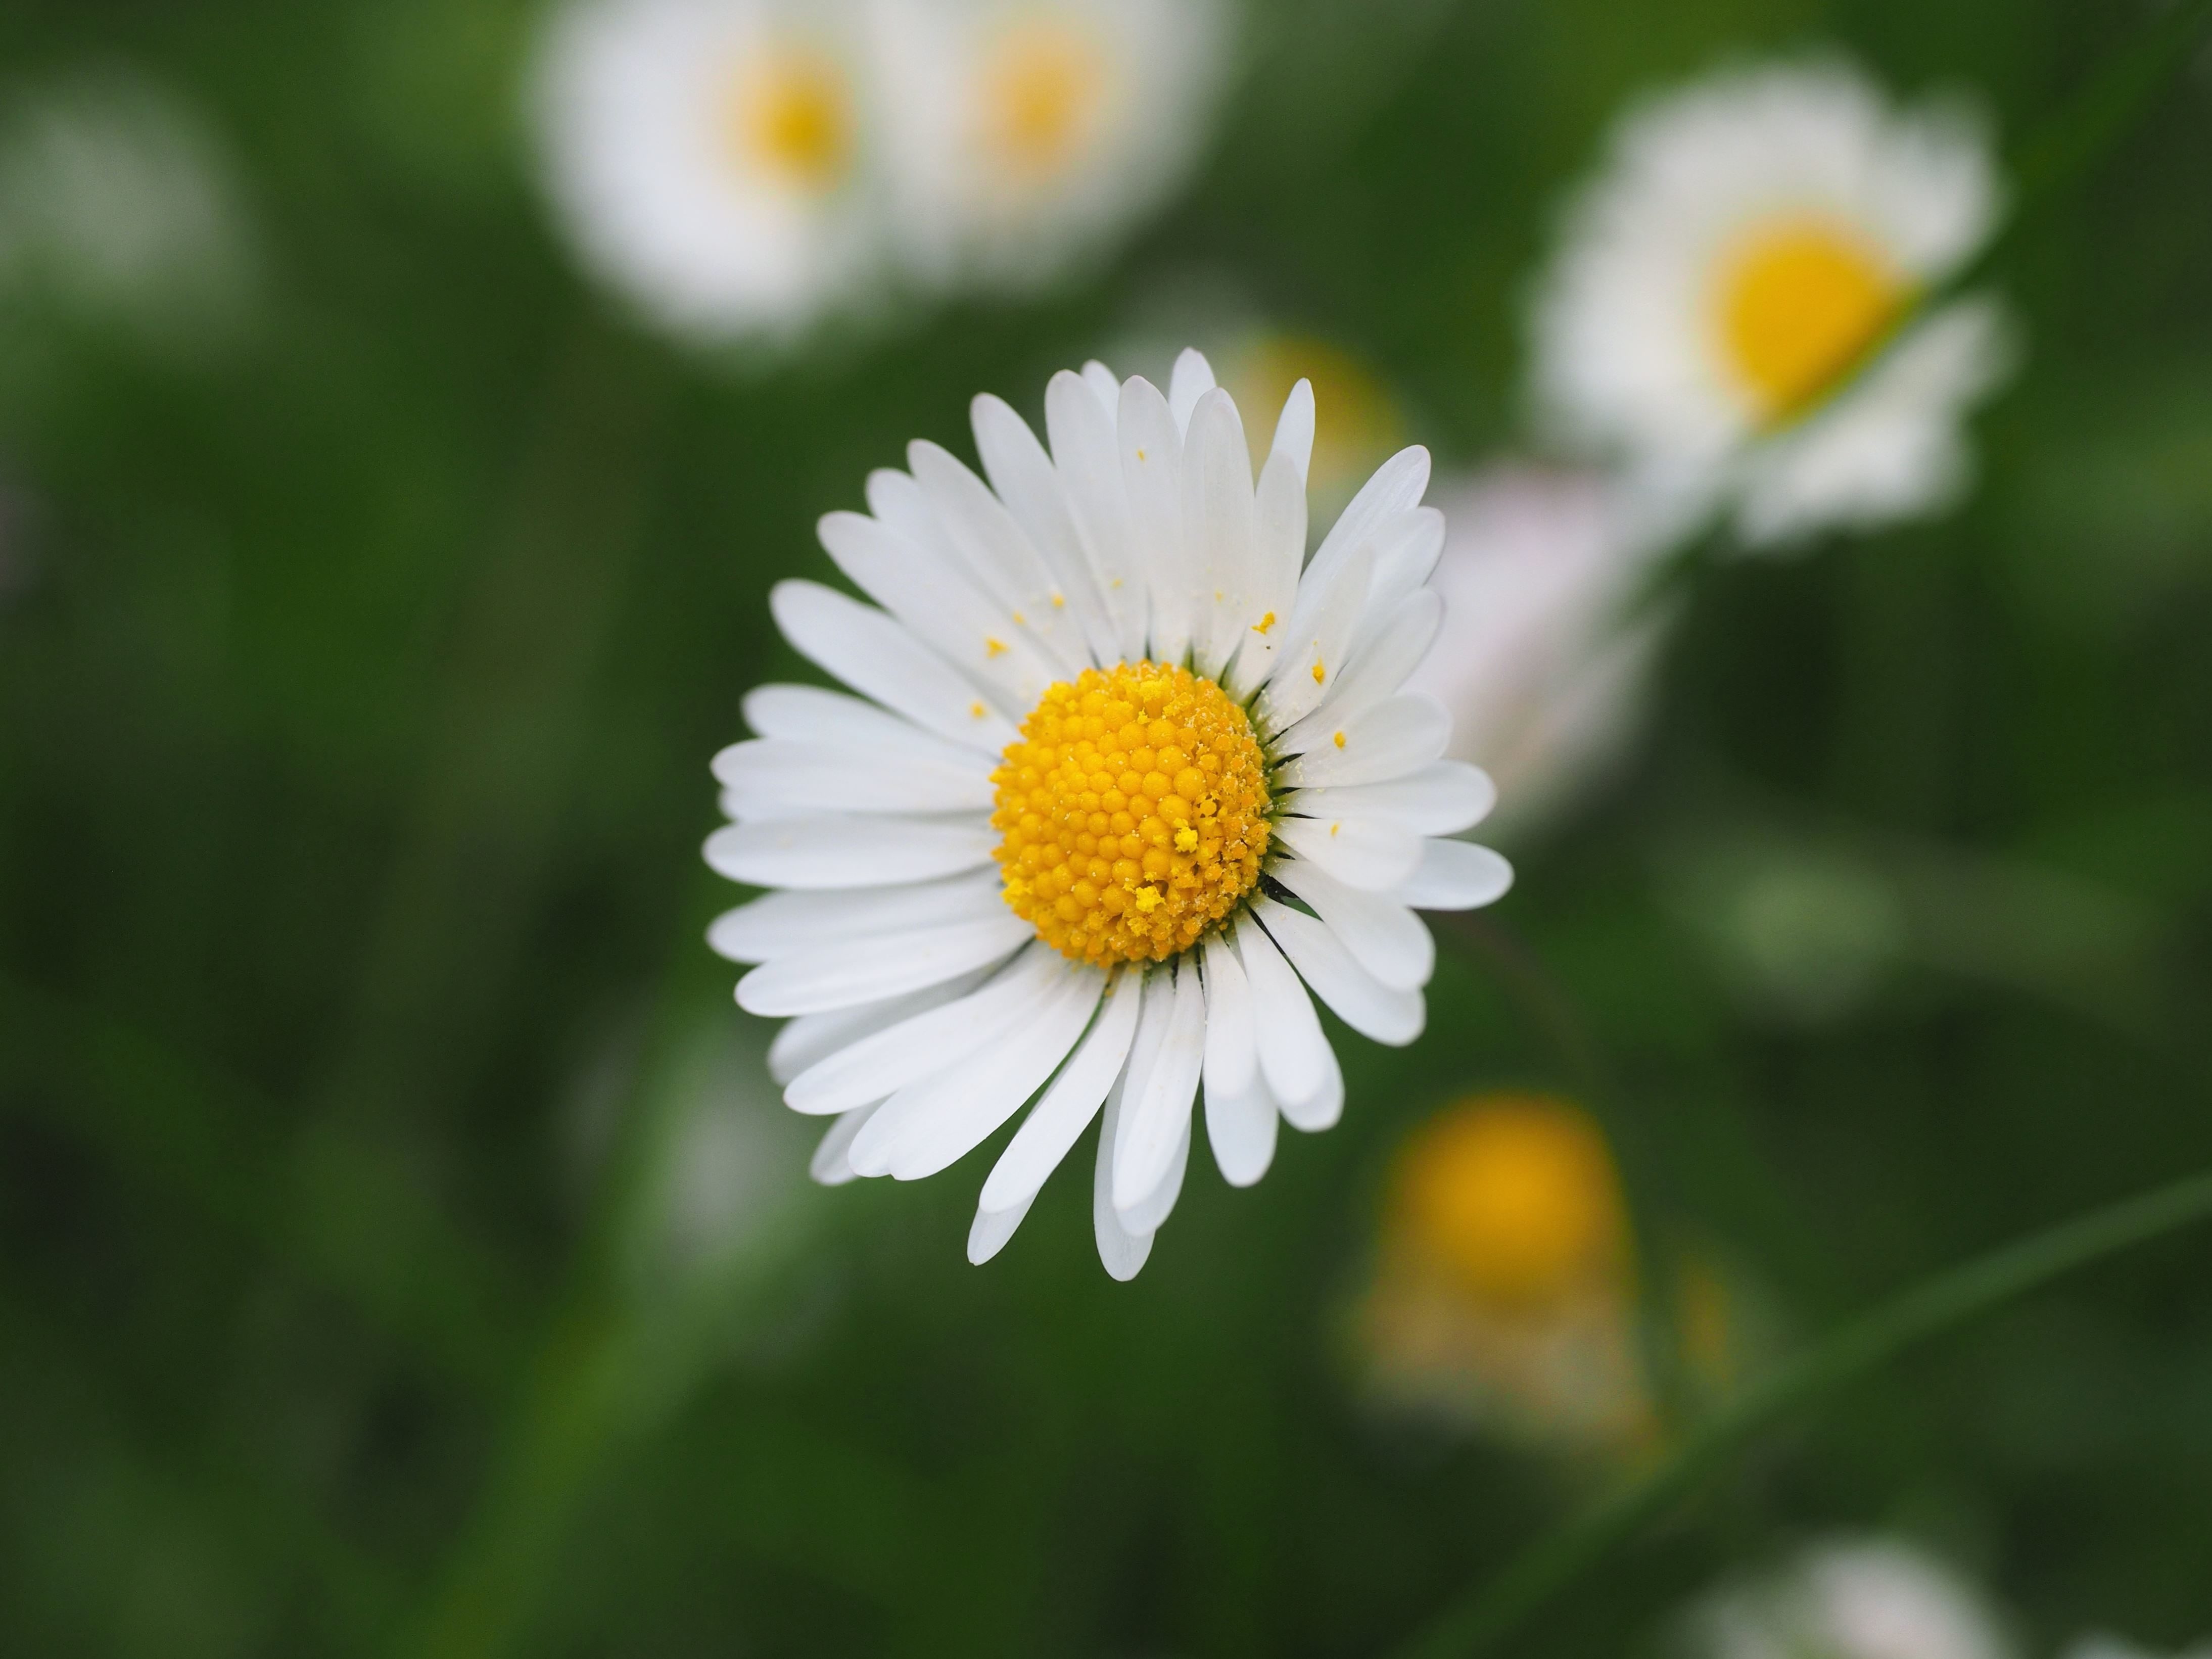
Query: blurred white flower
[(1020, 135), (1543, 669), (1753, 242), (2102, 1645), (120, 205), (1860, 1599), (709, 157)]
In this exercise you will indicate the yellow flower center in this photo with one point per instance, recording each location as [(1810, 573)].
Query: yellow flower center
[(1514, 1196), (1800, 303), (790, 115), (1042, 85), (1133, 808)]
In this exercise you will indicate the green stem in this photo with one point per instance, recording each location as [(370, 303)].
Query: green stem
[(1477, 1621)]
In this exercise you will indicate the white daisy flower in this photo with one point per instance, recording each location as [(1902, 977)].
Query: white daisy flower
[(1121, 782), (1751, 241), (1022, 134), (1875, 1598), (706, 156)]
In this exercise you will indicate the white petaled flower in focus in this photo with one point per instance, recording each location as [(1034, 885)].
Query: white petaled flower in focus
[(706, 157), (1124, 778), (1736, 313), (1022, 134)]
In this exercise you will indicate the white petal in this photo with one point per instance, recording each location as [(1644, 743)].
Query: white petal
[(1373, 854), (1294, 434), (1406, 551), (1309, 654), (988, 1233), (1147, 1214), (1161, 1113), (1293, 1052), (1220, 513), (881, 1065), (1456, 875), (1393, 738), (1279, 506), (1232, 1048), (1192, 378), (1060, 1118), (876, 657), (1104, 384), (1327, 1106), (1151, 477), (1441, 798), (932, 1124), (773, 777), (809, 713), (832, 1163), (1022, 475), (1000, 556), (1398, 485), (1385, 938), (882, 965), (938, 604), (1087, 454), (1359, 999), (812, 1037), (1379, 667), (1153, 1021), (778, 923), (1121, 1252), (1240, 1125), (832, 850)]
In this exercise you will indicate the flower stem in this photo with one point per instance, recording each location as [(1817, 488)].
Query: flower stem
[(1477, 1621)]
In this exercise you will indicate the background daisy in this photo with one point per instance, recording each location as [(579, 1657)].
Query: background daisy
[(710, 158), (1022, 135), (1750, 242)]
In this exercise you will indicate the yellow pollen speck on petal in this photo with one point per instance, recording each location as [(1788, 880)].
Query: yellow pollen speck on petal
[(788, 114), (1333, 827), (1042, 85), (1264, 623), (1141, 454), (1799, 303), (1020, 621), (1319, 673), (1059, 602), (994, 648), (975, 710), (1339, 740), (1133, 809)]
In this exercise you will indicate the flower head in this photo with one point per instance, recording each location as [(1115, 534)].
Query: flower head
[(1736, 308), (1019, 133), (1874, 1598), (1126, 776), (706, 156)]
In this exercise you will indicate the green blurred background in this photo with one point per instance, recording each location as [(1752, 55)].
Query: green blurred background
[(401, 1249)]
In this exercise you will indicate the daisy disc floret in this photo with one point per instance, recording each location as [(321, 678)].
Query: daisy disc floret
[(1134, 809), (1127, 782)]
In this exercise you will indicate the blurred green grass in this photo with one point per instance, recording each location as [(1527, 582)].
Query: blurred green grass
[(360, 681)]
